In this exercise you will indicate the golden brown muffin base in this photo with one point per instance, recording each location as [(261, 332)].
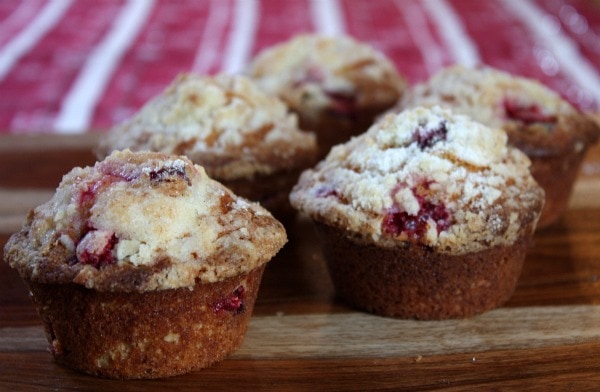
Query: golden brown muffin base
[(557, 175), (271, 191), (144, 335), (416, 282), (556, 155)]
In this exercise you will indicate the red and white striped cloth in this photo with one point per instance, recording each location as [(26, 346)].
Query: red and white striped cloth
[(74, 66)]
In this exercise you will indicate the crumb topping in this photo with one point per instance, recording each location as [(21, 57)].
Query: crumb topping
[(490, 96), (427, 176), (317, 73), (224, 123), (143, 221)]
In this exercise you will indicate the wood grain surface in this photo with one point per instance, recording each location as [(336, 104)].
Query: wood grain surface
[(547, 337)]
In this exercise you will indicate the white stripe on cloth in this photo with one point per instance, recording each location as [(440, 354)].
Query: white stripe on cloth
[(577, 67), (78, 106), (209, 47), (48, 17), (241, 39), (451, 29), (18, 17), (327, 17), (416, 22)]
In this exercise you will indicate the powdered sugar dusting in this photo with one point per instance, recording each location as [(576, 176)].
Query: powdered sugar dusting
[(424, 175)]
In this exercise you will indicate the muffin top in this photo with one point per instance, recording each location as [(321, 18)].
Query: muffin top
[(425, 176), (535, 117), (313, 73), (143, 221), (224, 123)]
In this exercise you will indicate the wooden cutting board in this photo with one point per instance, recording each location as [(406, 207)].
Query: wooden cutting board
[(302, 338)]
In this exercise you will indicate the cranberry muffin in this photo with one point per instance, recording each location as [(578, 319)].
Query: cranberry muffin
[(427, 215), (336, 85), (244, 138), (553, 134), (143, 267)]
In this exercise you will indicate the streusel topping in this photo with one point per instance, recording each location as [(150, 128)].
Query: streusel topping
[(337, 73), (426, 176), (143, 221), (224, 123), (489, 95)]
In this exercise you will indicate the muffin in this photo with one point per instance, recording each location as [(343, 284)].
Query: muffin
[(244, 138), (336, 85), (427, 215), (553, 134), (143, 267)]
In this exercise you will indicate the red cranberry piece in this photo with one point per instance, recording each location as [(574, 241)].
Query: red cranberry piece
[(166, 173), (92, 188), (233, 303), (527, 114), (117, 172), (96, 248), (343, 104), (426, 138), (87, 196), (397, 222), (327, 192), (89, 193), (415, 226)]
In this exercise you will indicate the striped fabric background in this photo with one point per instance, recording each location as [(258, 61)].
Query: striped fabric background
[(69, 66)]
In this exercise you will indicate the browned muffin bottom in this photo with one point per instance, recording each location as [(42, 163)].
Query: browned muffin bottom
[(334, 128), (417, 282), (131, 335), (272, 192), (271, 189), (556, 152)]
